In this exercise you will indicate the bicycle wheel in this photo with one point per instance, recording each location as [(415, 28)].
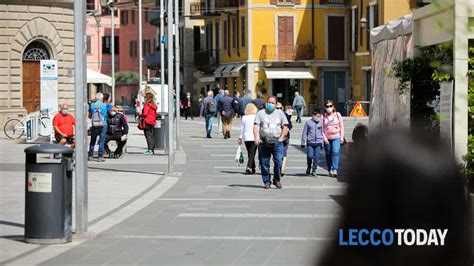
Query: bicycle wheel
[(45, 126), (14, 128)]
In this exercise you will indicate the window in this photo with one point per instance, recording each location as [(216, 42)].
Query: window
[(133, 49), (89, 44), (146, 47), (242, 31), (132, 16), (90, 5), (107, 45), (226, 35), (209, 37), (106, 12), (197, 38), (372, 18), (235, 33), (124, 17)]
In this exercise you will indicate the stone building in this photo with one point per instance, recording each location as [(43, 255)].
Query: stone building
[(31, 31)]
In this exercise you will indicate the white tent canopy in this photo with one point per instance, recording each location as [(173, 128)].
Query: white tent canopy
[(392, 30), (98, 78), (289, 73)]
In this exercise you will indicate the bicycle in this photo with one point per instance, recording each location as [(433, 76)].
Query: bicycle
[(15, 128)]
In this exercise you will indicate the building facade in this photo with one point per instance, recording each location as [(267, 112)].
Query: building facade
[(278, 47), (31, 31)]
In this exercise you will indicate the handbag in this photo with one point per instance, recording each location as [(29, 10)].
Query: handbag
[(239, 156), (141, 123)]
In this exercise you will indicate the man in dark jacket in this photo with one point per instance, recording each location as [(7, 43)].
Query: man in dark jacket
[(259, 101), (117, 130), (226, 108), (236, 104), (208, 110)]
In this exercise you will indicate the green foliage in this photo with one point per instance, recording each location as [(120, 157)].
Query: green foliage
[(422, 75), (469, 157), (126, 77)]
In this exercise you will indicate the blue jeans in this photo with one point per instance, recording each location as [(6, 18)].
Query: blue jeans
[(298, 110), (313, 155), (266, 151), (332, 153), (97, 132), (209, 120)]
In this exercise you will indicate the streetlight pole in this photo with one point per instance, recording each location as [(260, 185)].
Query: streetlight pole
[(111, 7), (177, 56), (170, 89), (140, 45), (80, 102)]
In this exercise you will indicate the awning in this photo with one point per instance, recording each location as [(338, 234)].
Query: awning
[(205, 79), (98, 78), (218, 72), (227, 69), (289, 73), (236, 70)]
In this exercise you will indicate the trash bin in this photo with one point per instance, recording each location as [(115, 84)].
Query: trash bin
[(160, 134), (48, 195)]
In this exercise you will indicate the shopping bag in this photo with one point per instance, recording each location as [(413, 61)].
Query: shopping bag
[(239, 156)]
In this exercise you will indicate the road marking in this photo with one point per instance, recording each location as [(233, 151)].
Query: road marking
[(241, 167), (219, 146), (258, 215), (240, 199), (243, 186), (252, 238)]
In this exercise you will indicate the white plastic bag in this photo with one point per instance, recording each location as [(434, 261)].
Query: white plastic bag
[(239, 156)]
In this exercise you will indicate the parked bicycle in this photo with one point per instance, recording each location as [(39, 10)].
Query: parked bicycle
[(15, 128)]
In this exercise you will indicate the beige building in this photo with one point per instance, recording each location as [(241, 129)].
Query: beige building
[(31, 31)]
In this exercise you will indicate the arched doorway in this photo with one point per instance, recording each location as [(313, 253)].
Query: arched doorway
[(32, 55)]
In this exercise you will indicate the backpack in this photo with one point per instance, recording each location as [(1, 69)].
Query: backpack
[(211, 106), (97, 117)]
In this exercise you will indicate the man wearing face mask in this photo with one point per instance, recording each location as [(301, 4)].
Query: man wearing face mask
[(63, 124), (117, 131), (270, 129)]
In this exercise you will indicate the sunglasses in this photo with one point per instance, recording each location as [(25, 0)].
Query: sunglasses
[(328, 105)]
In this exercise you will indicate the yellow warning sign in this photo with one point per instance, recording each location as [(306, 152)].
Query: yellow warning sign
[(358, 110)]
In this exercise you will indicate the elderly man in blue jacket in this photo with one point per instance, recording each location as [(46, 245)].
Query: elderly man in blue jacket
[(313, 139)]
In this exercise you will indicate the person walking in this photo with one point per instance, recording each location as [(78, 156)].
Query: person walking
[(246, 136), (333, 127), (259, 101), (117, 131), (208, 110), (270, 129), (246, 99), (286, 143), (188, 107), (227, 113), (299, 105), (149, 117), (313, 139), (63, 123), (218, 98), (236, 105), (98, 112)]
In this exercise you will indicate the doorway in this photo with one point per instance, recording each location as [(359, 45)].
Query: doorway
[(335, 89), (284, 89), (34, 53)]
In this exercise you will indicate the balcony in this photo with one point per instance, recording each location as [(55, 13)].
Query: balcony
[(334, 2), (227, 4), (205, 59), (287, 52)]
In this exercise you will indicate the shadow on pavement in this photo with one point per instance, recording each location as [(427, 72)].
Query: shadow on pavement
[(123, 170), (339, 199), (12, 224), (245, 186)]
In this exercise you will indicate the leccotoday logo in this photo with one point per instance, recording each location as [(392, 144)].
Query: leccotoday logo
[(390, 237)]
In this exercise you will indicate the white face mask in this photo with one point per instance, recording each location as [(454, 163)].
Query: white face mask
[(64, 112), (329, 109), (188, 96), (316, 119), (113, 113)]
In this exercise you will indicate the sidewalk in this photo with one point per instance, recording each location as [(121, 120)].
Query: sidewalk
[(114, 185)]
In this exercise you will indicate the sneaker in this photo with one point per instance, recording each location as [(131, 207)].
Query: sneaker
[(253, 171), (313, 172), (330, 173), (90, 158), (308, 170), (334, 173), (209, 137), (248, 171), (277, 184), (148, 153), (101, 159), (266, 186)]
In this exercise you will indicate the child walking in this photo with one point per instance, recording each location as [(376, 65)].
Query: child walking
[(313, 139)]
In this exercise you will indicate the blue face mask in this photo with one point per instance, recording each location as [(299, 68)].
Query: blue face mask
[(270, 106)]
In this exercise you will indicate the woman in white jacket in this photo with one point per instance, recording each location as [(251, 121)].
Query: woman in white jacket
[(246, 136)]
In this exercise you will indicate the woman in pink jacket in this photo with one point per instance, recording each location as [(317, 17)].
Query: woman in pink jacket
[(333, 128)]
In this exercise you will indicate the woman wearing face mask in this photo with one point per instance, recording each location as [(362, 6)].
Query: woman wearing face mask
[(333, 136), (188, 106), (149, 116)]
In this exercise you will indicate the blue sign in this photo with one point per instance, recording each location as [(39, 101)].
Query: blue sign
[(163, 39)]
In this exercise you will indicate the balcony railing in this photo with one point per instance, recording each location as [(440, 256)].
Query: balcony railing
[(287, 52), (334, 2), (206, 58)]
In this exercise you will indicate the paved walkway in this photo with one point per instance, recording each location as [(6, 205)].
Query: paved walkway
[(211, 215)]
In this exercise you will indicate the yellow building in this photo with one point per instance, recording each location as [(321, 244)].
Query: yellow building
[(276, 47), (365, 15)]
